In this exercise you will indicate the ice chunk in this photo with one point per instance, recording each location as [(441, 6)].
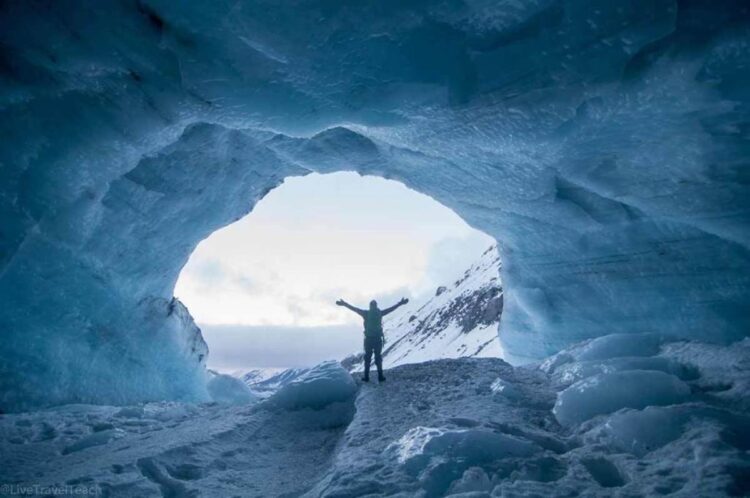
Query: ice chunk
[(575, 371), (473, 480), (604, 348), (609, 392), (555, 361), (616, 345), (315, 388), (437, 456), (642, 431), (230, 390), (472, 446)]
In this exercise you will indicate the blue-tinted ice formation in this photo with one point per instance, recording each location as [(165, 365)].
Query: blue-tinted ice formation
[(604, 144)]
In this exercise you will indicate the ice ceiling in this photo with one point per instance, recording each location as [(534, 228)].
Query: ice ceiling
[(604, 144)]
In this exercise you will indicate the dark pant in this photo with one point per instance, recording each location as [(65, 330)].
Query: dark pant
[(373, 345)]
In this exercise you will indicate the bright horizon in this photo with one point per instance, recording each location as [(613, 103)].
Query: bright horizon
[(269, 281)]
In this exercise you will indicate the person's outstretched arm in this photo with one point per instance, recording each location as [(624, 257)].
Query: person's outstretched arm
[(358, 311), (393, 308)]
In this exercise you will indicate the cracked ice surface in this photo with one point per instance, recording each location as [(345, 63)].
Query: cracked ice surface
[(604, 144)]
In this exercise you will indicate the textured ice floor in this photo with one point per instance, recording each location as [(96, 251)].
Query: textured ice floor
[(465, 427)]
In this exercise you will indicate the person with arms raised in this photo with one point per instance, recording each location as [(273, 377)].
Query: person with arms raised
[(374, 338)]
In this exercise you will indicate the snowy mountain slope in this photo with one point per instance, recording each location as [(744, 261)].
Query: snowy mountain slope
[(461, 320), (266, 381), (619, 416), (258, 375)]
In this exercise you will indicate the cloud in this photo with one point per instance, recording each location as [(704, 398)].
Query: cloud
[(390, 298), (450, 257), (321, 238), (207, 272), (247, 284), (242, 347)]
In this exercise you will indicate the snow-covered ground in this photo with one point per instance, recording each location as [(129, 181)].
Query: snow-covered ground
[(621, 415), (461, 320)]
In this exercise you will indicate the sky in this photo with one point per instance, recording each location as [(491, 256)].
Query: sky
[(263, 288)]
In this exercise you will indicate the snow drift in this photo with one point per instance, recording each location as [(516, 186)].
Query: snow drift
[(604, 144)]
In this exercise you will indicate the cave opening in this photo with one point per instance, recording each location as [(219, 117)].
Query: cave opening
[(604, 145), (263, 289)]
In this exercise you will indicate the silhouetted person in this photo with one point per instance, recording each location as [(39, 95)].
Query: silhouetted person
[(374, 338)]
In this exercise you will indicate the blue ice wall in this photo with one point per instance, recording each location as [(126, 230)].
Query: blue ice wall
[(604, 144)]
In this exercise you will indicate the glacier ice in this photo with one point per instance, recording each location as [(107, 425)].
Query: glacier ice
[(604, 145), (642, 431), (617, 345), (228, 389), (572, 372), (609, 392), (315, 388), (417, 446)]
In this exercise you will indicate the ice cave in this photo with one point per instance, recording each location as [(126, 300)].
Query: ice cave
[(605, 145)]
